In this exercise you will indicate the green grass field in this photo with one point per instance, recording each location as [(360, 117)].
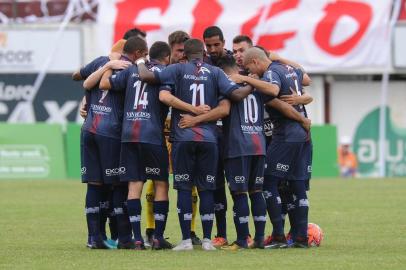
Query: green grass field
[(42, 226)]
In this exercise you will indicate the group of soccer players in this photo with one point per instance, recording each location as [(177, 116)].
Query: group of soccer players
[(224, 106)]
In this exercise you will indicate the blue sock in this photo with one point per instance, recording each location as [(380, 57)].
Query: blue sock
[(184, 205), (291, 210), (220, 209), (258, 210), (206, 209), (273, 204), (112, 218), (161, 209), (301, 210), (241, 218), (104, 210), (92, 210), (123, 223), (134, 214)]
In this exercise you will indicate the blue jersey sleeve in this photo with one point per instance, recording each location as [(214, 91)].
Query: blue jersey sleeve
[(226, 86), (118, 81), (272, 77), (166, 87), (91, 67), (168, 75)]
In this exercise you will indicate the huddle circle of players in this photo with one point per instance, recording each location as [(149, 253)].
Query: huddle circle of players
[(237, 115)]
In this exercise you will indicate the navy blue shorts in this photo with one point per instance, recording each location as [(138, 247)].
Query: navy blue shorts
[(194, 164), (287, 160), (245, 173), (100, 158), (143, 161)]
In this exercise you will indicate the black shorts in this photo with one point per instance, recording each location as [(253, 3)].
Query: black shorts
[(245, 173), (287, 160), (100, 158), (142, 161), (194, 164)]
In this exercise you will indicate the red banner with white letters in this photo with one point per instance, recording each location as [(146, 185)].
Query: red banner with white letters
[(323, 35)]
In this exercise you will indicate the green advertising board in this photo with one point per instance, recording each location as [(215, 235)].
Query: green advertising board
[(72, 144), (324, 140), (31, 151)]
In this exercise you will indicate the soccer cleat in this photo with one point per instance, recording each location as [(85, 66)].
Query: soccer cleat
[(277, 242), (250, 241), (149, 237), (207, 245), (139, 245), (184, 245), (110, 243), (195, 240), (126, 245), (256, 244), (161, 244), (268, 240), (99, 244), (300, 243), (219, 242), (233, 247)]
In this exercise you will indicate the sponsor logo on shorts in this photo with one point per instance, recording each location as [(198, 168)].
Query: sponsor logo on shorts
[(259, 180), (83, 171), (182, 177), (210, 178), (309, 168), (115, 171), (239, 179), (282, 167), (154, 171)]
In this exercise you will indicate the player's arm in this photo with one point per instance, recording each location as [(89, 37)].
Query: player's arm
[(295, 99), (76, 76), (145, 74), (276, 57), (95, 77), (221, 111), (290, 112), (82, 106), (262, 86), (167, 98), (241, 93)]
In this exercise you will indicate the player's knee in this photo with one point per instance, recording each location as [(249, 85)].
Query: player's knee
[(135, 190)]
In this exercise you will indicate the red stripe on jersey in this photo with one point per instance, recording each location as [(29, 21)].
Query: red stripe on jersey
[(96, 121), (137, 127), (198, 137), (256, 139)]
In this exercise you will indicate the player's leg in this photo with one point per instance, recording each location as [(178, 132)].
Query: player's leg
[(183, 160), (92, 176), (258, 204), (206, 171), (112, 219), (236, 170), (104, 210), (220, 210), (157, 165), (149, 212), (124, 230), (195, 199)]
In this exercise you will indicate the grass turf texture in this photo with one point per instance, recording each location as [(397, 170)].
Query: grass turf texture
[(42, 226)]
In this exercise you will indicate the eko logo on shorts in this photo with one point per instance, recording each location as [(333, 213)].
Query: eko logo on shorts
[(115, 171), (154, 171), (83, 171), (282, 167), (259, 180), (210, 178), (239, 179), (182, 177)]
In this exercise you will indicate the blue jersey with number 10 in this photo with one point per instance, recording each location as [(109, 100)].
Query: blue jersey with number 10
[(195, 83)]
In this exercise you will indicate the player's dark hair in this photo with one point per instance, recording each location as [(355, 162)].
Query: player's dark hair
[(194, 48), (242, 38), (263, 49), (226, 62), (177, 37), (134, 33), (159, 50), (134, 44), (213, 31)]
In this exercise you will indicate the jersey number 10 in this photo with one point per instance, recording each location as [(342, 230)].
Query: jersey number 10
[(140, 95), (250, 109)]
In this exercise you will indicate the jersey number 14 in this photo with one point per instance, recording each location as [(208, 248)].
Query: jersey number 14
[(140, 95)]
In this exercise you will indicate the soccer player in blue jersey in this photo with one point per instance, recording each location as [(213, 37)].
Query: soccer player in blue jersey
[(286, 155), (143, 151), (214, 42), (194, 150)]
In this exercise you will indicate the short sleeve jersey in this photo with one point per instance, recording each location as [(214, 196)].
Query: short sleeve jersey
[(196, 83), (144, 114), (288, 79), (105, 108)]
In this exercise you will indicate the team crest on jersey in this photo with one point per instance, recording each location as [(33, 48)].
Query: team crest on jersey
[(203, 70)]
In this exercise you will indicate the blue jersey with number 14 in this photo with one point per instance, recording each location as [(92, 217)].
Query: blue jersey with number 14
[(195, 83)]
